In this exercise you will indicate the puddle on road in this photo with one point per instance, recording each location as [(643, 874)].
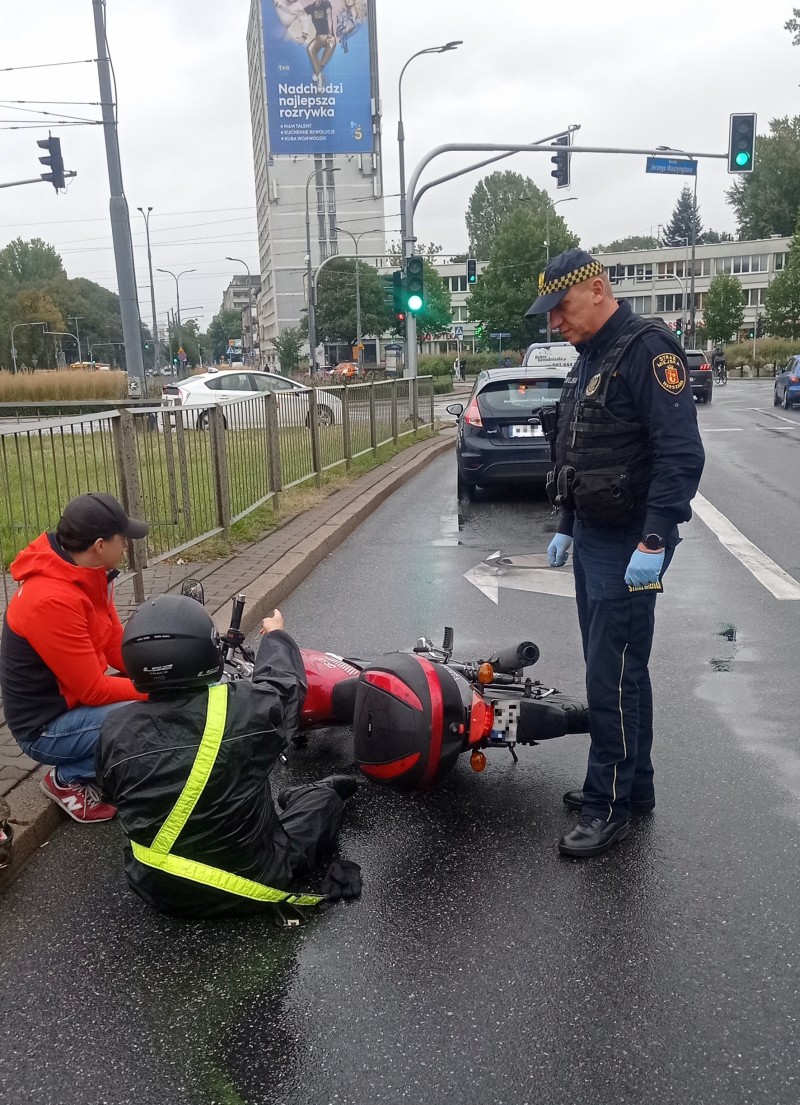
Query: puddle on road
[(725, 663), (450, 526)]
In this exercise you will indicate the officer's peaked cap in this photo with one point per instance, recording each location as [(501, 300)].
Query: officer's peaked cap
[(563, 272)]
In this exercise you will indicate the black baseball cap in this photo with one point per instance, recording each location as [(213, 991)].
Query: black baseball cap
[(563, 272), (100, 515)]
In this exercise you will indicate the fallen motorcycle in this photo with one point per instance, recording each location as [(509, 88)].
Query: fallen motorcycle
[(414, 713)]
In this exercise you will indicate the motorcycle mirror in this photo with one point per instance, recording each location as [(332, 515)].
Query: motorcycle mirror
[(193, 589)]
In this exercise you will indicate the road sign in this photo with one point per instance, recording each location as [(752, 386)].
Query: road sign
[(498, 335), (458, 332), (671, 166)]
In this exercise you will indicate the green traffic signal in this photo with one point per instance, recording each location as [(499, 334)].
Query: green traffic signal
[(742, 143), (415, 284), (742, 158), (415, 302)]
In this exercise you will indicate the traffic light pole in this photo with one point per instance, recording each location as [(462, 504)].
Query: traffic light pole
[(118, 210), (412, 354), (68, 175)]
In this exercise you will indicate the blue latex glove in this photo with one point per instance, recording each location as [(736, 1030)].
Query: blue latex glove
[(644, 567), (558, 550)]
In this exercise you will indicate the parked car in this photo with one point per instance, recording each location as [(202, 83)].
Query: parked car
[(550, 354), (701, 375), (500, 439), (787, 385), (196, 394), (345, 370)]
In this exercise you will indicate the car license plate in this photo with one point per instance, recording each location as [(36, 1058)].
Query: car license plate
[(526, 431)]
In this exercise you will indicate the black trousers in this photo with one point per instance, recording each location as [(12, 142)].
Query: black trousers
[(308, 829), (617, 630)]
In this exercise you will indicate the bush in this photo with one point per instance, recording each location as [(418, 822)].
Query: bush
[(478, 361), (39, 387), (442, 386), (774, 351), (430, 365)]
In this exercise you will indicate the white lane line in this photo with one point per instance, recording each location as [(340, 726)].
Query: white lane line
[(766, 571), (772, 414), (724, 430)]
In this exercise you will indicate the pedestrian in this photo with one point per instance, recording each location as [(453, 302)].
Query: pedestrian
[(628, 461), (189, 770), (61, 633)]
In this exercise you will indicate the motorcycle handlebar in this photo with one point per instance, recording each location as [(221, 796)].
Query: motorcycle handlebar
[(238, 610)]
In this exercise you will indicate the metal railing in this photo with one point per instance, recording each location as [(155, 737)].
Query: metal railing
[(193, 472)]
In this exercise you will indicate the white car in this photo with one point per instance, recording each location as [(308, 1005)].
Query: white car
[(197, 394)]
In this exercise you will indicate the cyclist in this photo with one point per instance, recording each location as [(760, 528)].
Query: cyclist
[(719, 366)]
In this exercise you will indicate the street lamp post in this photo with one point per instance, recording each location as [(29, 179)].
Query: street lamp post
[(550, 205), (76, 319), (146, 217), (13, 347), (249, 305), (177, 298), (312, 317), (356, 239)]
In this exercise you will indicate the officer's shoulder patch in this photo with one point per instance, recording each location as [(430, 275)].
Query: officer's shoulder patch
[(670, 371), (593, 384)]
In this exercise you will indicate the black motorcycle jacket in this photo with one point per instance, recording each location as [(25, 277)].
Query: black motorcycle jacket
[(627, 433), (145, 755)]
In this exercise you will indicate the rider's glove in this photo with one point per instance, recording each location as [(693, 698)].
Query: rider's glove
[(644, 567), (558, 550), (342, 880)]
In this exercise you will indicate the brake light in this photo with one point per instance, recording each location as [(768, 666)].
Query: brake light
[(393, 686), (481, 719), (794, 379), (472, 415), (705, 367)]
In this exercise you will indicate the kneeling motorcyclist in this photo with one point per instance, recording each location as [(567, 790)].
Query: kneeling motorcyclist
[(189, 769)]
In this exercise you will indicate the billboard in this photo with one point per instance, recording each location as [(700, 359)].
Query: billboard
[(318, 74)]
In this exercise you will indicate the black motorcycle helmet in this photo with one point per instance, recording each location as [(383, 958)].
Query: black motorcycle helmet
[(171, 644)]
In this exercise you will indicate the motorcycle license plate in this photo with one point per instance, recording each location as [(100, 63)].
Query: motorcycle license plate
[(526, 431)]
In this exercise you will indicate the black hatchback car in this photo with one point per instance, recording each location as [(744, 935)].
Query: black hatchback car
[(500, 438), (701, 376)]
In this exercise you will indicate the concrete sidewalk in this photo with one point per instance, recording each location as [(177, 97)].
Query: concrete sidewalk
[(265, 571)]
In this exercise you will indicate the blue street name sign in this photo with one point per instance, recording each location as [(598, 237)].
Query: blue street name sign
[(672, 166), (498, 335)]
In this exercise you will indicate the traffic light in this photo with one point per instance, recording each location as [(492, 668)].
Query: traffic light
[(678, 327), (415, 284), (388, 290), (399, 296), (472, 270), (54, 160), (561, 161), (478, 329), (742, 144)]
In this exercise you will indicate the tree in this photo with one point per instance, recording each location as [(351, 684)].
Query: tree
[(723, 307), (224, 325), (793, 25), (24, 263), (34, 350), (288, 345), (429, 250), (711, 237), (492, 201), (621, 245), (679, 228), (336, 302), (767, 200), (782, 304), (509, 284)]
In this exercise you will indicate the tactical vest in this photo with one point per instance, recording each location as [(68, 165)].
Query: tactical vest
[(603, 462)]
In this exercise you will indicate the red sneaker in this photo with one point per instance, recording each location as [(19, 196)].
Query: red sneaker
[(81, 801)]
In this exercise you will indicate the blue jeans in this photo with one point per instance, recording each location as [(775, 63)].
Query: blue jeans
[(69, 742), (617, 631)]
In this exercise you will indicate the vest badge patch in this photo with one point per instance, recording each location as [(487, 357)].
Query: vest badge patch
[(594, 384), (670, 372)]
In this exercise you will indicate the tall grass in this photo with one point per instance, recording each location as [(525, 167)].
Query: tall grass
[(40, 387)]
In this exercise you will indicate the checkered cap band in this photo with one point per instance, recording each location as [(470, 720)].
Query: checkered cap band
[(577, 276)]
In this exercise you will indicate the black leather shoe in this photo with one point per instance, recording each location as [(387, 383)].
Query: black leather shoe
[(573, 800), (591, 836), (344, 785)]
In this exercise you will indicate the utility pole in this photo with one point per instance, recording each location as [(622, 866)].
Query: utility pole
[(118, 210), (146, 217)]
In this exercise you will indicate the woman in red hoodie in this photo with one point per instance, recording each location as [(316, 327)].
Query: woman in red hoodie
[(61, 634)]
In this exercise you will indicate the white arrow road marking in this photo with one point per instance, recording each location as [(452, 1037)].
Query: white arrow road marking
[(521, 573), (766, 571)]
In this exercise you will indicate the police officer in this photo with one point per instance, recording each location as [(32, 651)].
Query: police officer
[(189, 769), (628, 460)]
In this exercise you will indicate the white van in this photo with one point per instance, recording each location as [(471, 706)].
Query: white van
[(550, 354)]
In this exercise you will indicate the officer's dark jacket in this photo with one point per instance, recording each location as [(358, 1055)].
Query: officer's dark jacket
[(144, 757), (638, 392)]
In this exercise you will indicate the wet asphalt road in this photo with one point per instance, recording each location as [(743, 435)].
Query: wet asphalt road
[(478, 966)]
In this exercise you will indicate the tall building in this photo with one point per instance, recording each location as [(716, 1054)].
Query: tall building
[(315, 112)]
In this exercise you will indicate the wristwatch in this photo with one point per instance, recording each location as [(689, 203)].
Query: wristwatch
[(653, 542)]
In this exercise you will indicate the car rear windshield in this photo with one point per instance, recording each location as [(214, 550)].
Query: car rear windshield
[(501, 397), (695, 359)]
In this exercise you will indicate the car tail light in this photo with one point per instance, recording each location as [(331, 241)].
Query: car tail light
[(794, 379), (481, 719), (705, 367), (472, 415)]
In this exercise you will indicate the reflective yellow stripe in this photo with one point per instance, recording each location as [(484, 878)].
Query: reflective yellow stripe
[(220, 880), (159, 855), (201, 769)]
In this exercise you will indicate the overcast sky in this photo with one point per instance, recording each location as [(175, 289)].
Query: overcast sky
[(631, 72)]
